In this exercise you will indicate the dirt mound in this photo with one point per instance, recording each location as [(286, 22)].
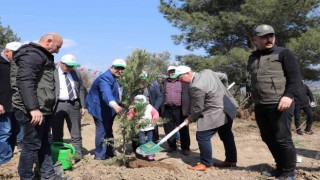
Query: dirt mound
[(253, 158)]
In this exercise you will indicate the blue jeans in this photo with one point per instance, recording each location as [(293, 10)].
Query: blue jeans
[(226, 136), (8, 132), (142, 136), (35, 145)]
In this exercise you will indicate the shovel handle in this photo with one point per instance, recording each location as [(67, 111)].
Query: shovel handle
[(171, 133)]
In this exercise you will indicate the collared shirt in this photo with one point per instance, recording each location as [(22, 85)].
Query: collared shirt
[(64, 95), (173, 93)]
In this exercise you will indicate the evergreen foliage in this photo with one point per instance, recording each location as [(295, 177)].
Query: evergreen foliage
[(133, 84), (6, 36), (223, 28)]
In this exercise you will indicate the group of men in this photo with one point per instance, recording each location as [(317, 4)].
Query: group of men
[(41, 93), (39, 97)]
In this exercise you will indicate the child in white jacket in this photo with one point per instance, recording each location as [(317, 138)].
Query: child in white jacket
[(150, 115)]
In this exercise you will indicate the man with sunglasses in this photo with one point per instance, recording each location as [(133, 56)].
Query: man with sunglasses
[(70, 102), (103, 104)]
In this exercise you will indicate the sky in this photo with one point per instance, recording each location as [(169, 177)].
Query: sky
[(96, 31)]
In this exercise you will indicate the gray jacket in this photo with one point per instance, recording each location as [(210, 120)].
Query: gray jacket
[(81, 91), (210, 101)]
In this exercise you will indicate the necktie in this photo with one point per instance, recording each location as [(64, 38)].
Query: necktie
[(69, 86)]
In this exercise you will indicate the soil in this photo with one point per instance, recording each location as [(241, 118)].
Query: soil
[(253, 158)]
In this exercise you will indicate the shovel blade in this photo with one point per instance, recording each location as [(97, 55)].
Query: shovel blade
[(148, 148)]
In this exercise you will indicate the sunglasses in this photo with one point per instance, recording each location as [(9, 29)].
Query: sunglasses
[(119, 68)]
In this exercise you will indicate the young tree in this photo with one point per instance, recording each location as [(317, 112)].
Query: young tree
[(131, 82), (7, 35)]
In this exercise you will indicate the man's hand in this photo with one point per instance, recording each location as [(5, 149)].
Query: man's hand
[(285, 103), (36, 117), (187, 122), (118, 109), (82, 111), (2, 111)]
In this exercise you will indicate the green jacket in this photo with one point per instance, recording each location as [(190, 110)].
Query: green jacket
[(32, 79)]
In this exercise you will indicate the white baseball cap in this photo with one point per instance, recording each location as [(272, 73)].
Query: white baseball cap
[(119, 63), (180, 70), (171, 68), (69, 60), (13, 46)]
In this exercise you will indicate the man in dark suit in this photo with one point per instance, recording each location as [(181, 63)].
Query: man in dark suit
[(213, 108), (70, 102), (103, 104)]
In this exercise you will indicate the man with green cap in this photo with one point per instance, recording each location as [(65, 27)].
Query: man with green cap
[(70, 102)]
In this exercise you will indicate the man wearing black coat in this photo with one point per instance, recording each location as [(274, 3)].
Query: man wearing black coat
[(8, 125), (303, 102), (32, 81)]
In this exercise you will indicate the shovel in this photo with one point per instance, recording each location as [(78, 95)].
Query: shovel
[(152, 148)]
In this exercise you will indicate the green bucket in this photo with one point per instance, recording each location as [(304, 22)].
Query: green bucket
[(64, 153)]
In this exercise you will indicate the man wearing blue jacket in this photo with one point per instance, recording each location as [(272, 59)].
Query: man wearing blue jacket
[(103, 104)]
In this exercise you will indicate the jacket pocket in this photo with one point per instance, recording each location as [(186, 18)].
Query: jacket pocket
[(46, 98)]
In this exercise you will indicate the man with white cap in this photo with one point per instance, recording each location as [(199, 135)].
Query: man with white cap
[(175, 107), (213, 108), (70, 102), (103, 104), (8, 125)]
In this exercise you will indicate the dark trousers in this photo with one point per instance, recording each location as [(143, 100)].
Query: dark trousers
[(35, 144), (275, 131), (176, 118), (297, 116), (104, 131), (155, 137), (226, 136), (69, 111)]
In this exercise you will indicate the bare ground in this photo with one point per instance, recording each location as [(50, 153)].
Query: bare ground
[(253, 158)]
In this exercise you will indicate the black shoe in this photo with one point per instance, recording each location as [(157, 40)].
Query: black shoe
[(286, 178), (309, 132), (272, 173), (185, 152), (170, 149), (299, 132), (19, 146)]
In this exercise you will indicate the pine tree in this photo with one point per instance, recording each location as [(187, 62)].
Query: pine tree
[(131, 82)]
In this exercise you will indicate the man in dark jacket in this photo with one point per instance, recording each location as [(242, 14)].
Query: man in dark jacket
[(8, 125), (303, 102), (33, 83), (275, 81)]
